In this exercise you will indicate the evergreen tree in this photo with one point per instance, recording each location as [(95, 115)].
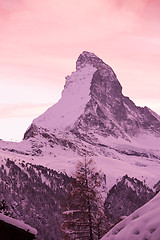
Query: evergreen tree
[(84, 217)]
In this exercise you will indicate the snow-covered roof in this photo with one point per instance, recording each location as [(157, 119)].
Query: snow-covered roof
[(18, 224), (144, 223)]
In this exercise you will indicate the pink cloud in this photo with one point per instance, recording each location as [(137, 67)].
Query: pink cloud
[(22, 110), (11, 5)]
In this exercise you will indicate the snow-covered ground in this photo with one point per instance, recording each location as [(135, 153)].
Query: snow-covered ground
[(115, 165), (143, 224)]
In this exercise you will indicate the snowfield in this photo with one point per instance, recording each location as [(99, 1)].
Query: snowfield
[(63, 114), (116, 165), (143, 224)]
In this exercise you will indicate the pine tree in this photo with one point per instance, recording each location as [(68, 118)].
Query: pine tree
[(84, 217)]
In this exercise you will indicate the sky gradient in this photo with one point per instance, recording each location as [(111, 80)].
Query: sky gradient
[(40, 42)]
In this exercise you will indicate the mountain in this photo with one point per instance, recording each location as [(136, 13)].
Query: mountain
[(93, 118), (92, 103), (144, 223), (126, 196)]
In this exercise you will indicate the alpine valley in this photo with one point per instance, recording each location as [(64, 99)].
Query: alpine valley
[(92, 119)]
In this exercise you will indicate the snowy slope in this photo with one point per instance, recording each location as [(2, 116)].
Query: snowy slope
[(114, 164), (72, 104), (142, 224)]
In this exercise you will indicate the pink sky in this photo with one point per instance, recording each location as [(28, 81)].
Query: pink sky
[(40, 41)]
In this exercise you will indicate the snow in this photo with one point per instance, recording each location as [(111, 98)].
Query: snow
[(142, 224), (71, 212), (130, 165), (18, 224), (74, 99), (116, 165), (141, 143)]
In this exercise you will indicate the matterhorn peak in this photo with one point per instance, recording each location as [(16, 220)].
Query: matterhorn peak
[(92, 81), (92, 102)]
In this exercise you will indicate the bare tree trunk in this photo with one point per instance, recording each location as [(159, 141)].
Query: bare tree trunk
[(90, 221)]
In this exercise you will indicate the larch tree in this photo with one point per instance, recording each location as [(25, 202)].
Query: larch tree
[(84, 217)]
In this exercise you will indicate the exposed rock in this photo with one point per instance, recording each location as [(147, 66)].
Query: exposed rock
[(125, 197), (31, 132)]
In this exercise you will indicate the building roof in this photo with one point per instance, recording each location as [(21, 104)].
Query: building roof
[(18, 224)]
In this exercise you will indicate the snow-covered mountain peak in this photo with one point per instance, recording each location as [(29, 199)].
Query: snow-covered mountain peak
[(93, 88), (92, 104)]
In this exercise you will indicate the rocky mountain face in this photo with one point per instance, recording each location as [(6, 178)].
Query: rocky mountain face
[(126, 196)]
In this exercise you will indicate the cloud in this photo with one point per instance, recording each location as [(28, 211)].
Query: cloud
[(22, 110), (11, 5)]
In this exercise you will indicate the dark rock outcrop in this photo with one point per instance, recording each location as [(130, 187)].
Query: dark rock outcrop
[(125, 197)]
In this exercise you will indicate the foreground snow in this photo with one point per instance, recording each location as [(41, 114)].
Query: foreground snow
[(143, 224)]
